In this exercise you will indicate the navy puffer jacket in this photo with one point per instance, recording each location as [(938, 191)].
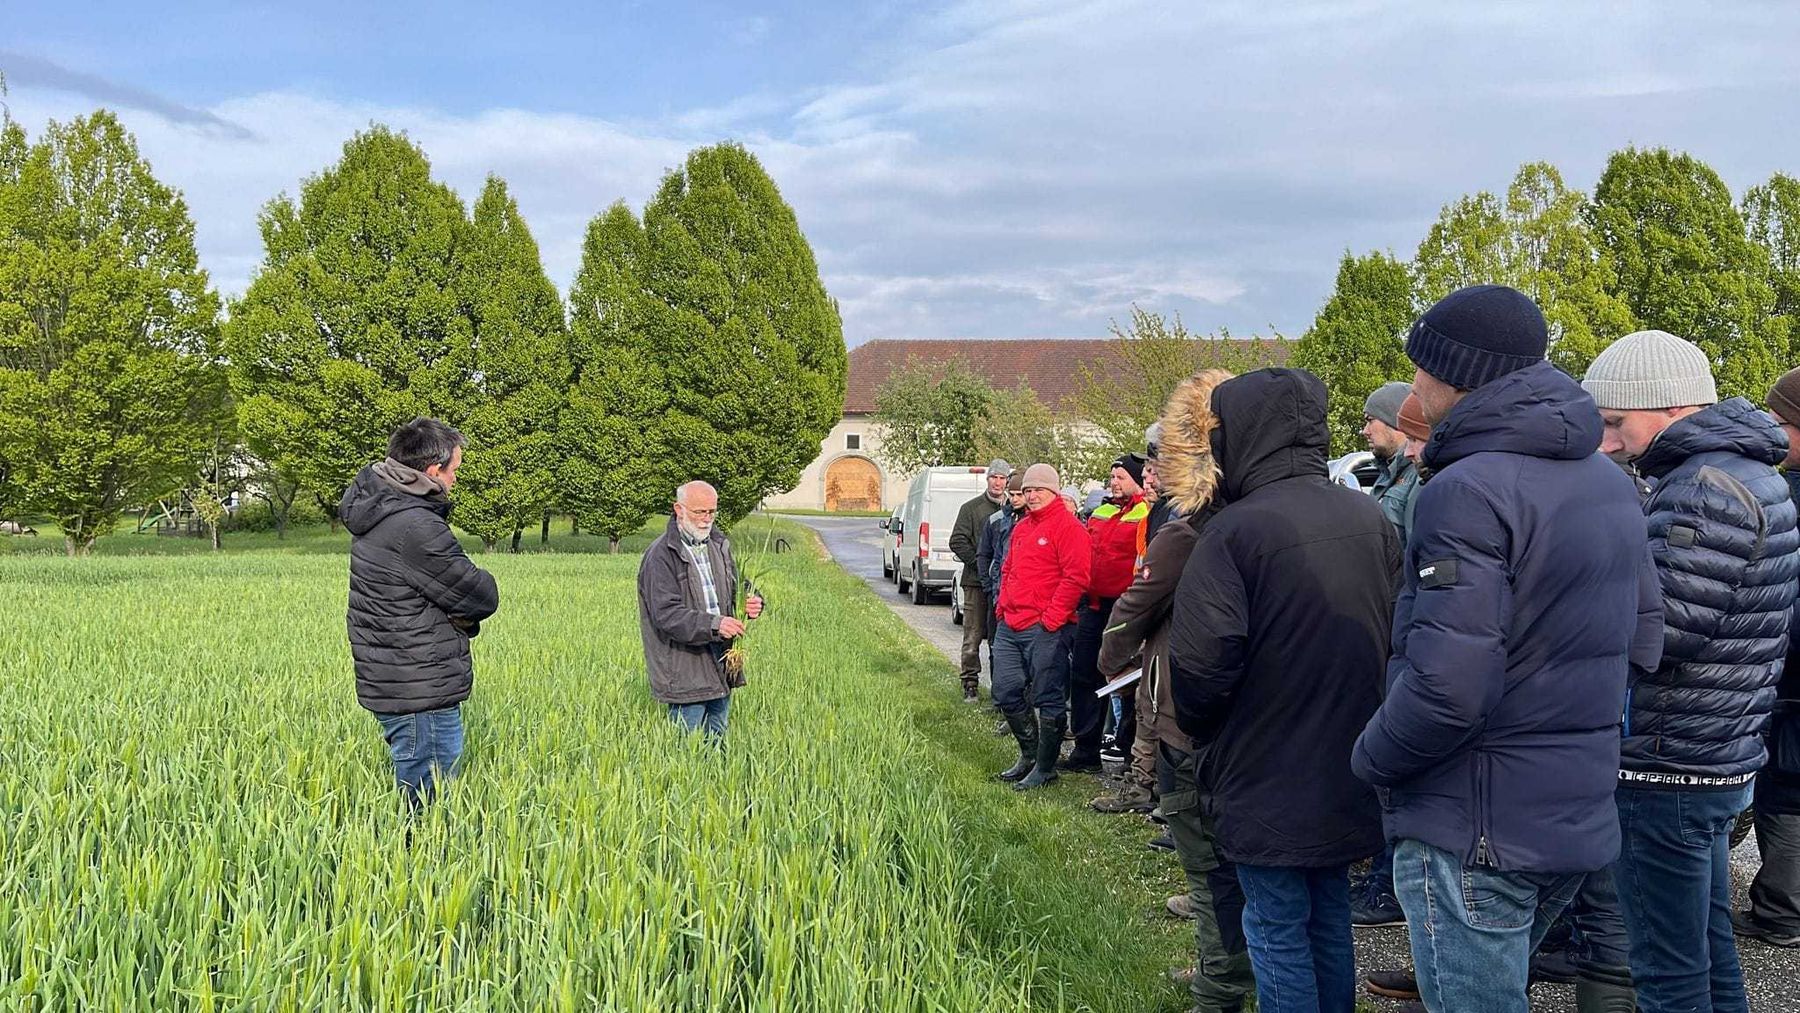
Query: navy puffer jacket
[(1529, 591), (1722, 533)]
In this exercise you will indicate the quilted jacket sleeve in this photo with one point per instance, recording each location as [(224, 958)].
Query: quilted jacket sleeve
[(443, 573)]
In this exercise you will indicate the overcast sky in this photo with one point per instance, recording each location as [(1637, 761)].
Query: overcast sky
[(1004, 169)]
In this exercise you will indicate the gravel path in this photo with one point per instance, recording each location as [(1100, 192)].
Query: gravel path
[(1771, 974)]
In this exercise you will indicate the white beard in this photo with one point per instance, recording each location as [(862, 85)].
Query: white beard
[(697, 532)]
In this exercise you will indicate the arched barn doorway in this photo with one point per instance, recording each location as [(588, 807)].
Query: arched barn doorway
[(852, 483)]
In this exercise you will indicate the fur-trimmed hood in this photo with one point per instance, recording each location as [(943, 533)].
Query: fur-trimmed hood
[(1184, 460)]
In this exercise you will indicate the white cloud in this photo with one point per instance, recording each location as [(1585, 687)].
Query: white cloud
[(1036, 167)]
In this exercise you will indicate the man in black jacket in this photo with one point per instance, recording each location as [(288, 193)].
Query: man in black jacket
[(965, 542), (1279, 641), (1722, 533), (415, 600), (1774, 913)]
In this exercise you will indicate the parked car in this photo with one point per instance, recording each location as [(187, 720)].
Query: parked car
[(923, 561), (1356, 470), (890, 546)]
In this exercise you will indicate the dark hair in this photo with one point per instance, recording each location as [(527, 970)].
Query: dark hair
[(423, 442)]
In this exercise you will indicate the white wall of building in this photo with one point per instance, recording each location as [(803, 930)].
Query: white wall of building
[(855, 436)]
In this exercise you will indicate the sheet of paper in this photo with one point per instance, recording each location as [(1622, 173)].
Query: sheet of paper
[(1120, 683)]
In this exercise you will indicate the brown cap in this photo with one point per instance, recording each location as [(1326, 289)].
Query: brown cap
[(1041, 476), (1015, 482), (1412, 419), (1784, 397)]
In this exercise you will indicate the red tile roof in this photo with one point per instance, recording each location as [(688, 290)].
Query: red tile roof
[(1051, 367)]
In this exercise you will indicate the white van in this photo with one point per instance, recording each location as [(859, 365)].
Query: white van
[(923, 562)]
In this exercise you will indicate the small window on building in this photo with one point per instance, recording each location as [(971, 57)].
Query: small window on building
[(853, 441)]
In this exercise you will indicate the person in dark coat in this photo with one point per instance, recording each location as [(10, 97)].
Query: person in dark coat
[(1529, 591), (415, 602), (1277, 649), (965, 542), (1774, 912), (1722, 532), (990, 551), (687, 612)]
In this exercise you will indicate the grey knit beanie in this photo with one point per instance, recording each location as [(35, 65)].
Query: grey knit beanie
[(1651, 369), (1384, 404)]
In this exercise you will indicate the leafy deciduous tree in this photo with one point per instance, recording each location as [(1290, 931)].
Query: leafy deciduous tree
[(929, 414), (1356, 343)]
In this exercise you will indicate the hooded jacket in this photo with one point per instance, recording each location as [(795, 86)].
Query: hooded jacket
[(415, 596), (1529, 590), (990, 552), (1280, 632), (1721, 522), (1139, 628)]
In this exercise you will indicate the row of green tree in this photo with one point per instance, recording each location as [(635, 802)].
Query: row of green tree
[(1659, 244), (697, 340)]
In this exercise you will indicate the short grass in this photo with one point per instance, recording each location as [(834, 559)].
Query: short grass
[(195, 814)]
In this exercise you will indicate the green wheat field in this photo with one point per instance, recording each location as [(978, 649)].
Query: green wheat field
[(195, 813)]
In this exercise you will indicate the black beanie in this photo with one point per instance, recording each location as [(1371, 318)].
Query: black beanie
[(1133, 465), (1476, 335)]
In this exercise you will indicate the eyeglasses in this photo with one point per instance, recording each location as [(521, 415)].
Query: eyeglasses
[(700, 514)]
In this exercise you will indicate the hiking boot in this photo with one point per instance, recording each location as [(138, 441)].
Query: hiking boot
[(1024, 732), (1375, 907), (1746, 924), (1554, 966), (1049, 743), (1131, 798), (1182, 906), (1166, 842), (971, 691), (1393, 984)]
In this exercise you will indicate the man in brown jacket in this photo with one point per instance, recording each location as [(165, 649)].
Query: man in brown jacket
[(687, 601), (1139, 633)]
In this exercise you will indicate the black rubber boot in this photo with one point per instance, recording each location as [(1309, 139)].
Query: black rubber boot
[(1605, 990), (1024, 732), (1049, 739)]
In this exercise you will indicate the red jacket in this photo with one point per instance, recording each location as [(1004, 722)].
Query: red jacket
[(1046, 569), (1113, 533)]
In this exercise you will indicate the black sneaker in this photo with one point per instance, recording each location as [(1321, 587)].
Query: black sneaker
[(1393, 984), (1746, 924), (1164, 843), (1111, 754), (1376, 908)]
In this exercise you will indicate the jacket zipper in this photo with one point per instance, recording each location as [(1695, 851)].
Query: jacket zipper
[(1482, 851)]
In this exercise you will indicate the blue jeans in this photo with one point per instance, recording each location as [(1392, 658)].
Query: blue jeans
[(426, 746), (1600, 937), (1297, 927), (1473, 929), (707, 714), (1674, 875), (1031, 669)]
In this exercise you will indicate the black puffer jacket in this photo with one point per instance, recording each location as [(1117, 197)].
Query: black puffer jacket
[(415, 597), (1722, 532), (1279, 639), (1778, 784)]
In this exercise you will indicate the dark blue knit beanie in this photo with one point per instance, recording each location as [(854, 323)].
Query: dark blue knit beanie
[(1478, 334)]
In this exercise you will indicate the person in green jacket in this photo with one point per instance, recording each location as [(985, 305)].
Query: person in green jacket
[(965, 542)]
